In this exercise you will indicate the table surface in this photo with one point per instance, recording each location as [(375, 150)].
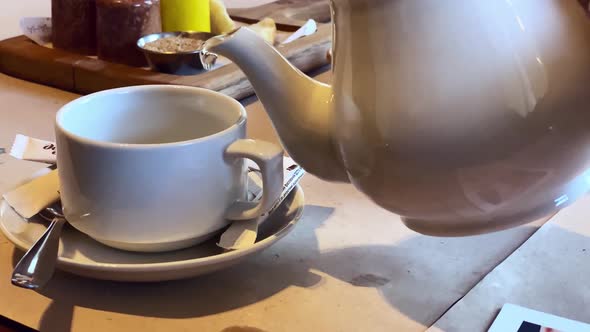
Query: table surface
[(348, 266)]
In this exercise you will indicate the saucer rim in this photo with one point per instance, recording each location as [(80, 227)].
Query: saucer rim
[(165, 266)]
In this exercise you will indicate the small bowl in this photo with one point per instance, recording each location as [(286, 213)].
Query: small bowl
[(177, 63)]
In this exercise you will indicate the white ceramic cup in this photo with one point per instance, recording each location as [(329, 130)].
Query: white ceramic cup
[(159, 167)]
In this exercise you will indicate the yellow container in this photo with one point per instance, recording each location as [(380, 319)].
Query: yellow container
[(185, 15)]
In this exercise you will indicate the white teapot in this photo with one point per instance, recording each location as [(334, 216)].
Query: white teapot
[(462, 116)]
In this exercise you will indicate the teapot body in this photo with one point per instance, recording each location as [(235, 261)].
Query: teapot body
[(463, 116)]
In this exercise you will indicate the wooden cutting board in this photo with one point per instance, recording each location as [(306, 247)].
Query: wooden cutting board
[(287, 12), (20, 57)]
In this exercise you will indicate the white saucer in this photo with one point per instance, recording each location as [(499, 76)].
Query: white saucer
[(81, 255)]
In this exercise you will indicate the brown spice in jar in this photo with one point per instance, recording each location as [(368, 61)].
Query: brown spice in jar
[(120, 23), (74, 25), (174, 44)]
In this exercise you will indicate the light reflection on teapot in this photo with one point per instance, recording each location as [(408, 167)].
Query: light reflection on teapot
[(462, 116)]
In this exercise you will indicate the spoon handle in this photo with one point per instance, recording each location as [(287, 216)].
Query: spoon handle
[(36, 267)]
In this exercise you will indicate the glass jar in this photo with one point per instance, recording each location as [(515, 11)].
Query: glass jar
[(74, 25), (120, 23)]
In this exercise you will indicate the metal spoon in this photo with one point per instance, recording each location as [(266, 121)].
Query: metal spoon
[(36, 267)]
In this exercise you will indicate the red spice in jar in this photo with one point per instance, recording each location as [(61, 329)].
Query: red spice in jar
[(120, 23), (74, 25)]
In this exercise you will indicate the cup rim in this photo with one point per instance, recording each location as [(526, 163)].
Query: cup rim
[(138, 146)]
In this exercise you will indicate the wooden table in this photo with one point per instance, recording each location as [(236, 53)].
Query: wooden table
[(348, 266)]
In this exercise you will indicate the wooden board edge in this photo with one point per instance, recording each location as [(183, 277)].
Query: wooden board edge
[(21, 58), (83, 75)]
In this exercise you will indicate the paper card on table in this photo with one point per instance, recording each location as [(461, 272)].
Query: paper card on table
[(513, 318)]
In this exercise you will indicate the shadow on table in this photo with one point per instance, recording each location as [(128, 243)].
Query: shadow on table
[(260, 277), (397, 271)]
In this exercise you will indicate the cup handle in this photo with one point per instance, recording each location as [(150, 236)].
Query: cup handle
[(269, 158)]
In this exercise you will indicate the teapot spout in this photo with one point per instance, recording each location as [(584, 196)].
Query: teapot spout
[(300, 108)]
